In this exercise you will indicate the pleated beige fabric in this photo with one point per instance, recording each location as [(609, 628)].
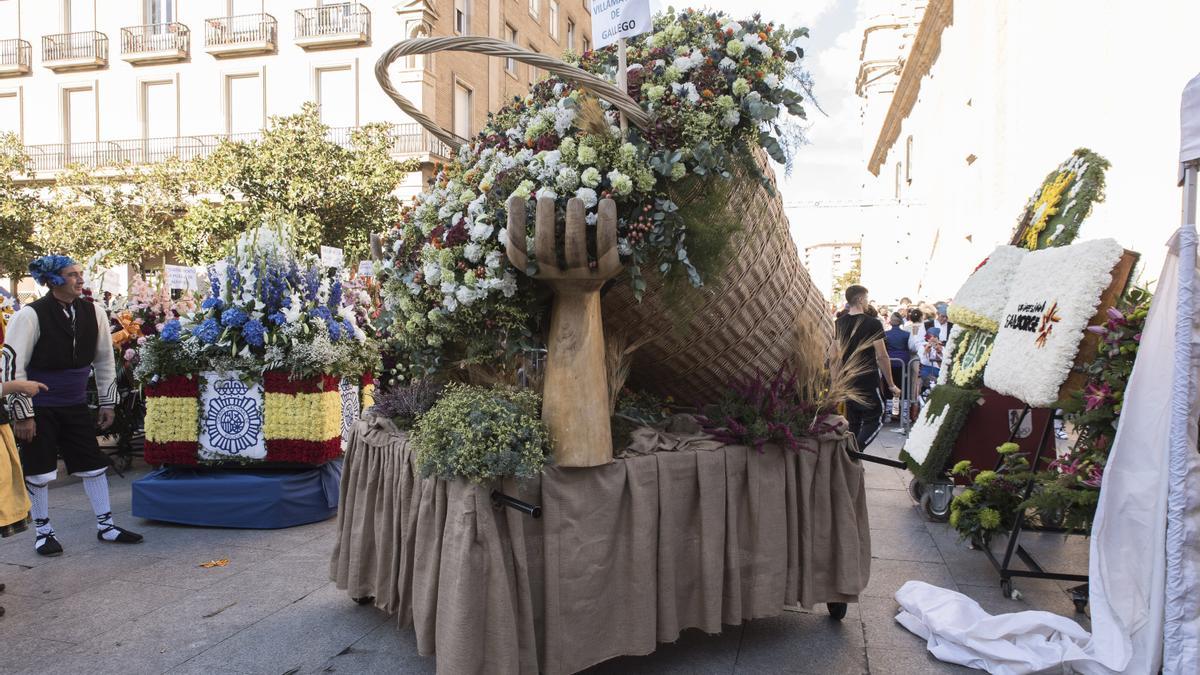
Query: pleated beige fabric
[(626, 555)]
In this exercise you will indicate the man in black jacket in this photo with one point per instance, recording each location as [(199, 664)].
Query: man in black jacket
[(59, 339)]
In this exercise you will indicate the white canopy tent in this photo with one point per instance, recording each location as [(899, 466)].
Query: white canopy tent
[(1144, 561)]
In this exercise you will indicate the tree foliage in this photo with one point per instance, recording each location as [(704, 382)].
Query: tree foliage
[(20, 208), (335, 193)]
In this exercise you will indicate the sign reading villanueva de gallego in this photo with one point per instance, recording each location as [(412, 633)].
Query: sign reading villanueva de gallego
[(613, 20)]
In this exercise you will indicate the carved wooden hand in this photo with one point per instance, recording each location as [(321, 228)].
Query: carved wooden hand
[(575, 396)]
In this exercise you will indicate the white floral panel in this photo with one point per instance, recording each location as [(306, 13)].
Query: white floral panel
[(1054, 294), (924, 430), (985, 292), (351, 406), (231, 418)]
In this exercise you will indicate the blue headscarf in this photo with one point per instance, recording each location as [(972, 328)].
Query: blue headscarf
[(45, 270)]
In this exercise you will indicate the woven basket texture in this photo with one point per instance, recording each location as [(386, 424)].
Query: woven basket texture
[(753, 317)]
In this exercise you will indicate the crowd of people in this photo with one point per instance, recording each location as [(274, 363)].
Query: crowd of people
[(889, 357)]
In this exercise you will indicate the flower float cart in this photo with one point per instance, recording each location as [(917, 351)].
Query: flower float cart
[(630, 542), (961, 401), (248, 399)]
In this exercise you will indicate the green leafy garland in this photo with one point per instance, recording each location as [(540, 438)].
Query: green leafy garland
[(953, 404)]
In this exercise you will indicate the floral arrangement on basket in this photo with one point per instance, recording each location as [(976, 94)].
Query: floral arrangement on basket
[(714, 89), (266, 368)]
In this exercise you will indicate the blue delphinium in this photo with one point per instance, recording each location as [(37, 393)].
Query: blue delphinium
[(254, 332), (170, 331), (312, 283), (335, 329), (234, 317), (214, 281), (208, 331), (347, 328), (212, 302), (335, 295)]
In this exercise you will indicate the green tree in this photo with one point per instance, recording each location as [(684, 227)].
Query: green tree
[(847, 279), (128, 212), (21, 210), (335, 195)]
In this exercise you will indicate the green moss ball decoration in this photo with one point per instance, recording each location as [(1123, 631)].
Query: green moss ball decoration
[(482, 434)]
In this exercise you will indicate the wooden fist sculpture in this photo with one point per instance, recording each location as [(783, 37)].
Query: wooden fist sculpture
[(575, 396)]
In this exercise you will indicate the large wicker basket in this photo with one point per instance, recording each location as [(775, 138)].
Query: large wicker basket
[(759, 314)]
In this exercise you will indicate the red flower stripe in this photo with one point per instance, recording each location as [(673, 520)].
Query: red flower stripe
[(368, 379), (303, 452), (280, 382), (176, 386), (174, 452)]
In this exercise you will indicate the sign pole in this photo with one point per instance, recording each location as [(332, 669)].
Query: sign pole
[(622, 67)]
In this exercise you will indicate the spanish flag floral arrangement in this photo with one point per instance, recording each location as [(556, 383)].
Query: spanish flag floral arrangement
[(716, 91), (260, 370)]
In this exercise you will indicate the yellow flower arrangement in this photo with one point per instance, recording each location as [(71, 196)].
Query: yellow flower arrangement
[(171, 419), (966, 318), (303, 417), (1046, 206)]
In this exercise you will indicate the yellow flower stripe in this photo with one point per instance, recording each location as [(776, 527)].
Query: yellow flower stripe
[(303, 417), (171, 419), (964, 317), (368, 396), (1048, 204)]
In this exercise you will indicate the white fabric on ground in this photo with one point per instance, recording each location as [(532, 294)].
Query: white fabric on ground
[(1128, 555), (957, 630)]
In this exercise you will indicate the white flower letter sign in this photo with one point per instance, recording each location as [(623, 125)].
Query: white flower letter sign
[(1054, 294)]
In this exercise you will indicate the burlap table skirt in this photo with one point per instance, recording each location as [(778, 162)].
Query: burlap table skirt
[(625, 556)]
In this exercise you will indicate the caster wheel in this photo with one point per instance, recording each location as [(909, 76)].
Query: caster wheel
[(1007, 590), (915, 489), (837, 610), (365, 600), (1, 611), (2, 587), (934, 512)]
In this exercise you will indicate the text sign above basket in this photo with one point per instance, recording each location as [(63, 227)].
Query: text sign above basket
[(616, 19)]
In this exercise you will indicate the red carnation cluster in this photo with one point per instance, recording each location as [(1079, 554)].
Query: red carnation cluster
[(175, 386), (175, 453), (303, 452), (280, 382)]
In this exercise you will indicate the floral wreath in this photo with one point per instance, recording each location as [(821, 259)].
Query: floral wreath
[(45, 270), (1065, 198)]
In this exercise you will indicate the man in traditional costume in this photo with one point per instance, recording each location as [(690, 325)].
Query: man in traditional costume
[(58, 340)]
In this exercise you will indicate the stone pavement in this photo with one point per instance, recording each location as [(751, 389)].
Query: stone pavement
[(150, 608)]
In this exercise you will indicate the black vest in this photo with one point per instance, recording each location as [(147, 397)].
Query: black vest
[(60, 347)]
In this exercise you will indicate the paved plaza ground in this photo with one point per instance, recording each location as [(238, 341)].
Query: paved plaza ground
[(150, 608)]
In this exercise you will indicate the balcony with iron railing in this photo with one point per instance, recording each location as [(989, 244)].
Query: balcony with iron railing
[(16, 57), (408, 140), (241, 35), (75, 51), (341, 25), (155, 43)]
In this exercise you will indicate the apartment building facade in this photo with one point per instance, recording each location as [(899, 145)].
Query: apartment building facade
[(105, 81)]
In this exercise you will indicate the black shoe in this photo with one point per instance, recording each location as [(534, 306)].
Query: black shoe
[(48, 546), (123, 536)]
